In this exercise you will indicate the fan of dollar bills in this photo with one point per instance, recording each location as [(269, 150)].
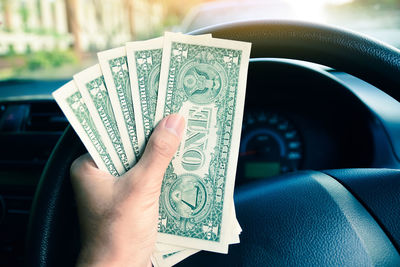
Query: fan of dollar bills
[(113, 106)]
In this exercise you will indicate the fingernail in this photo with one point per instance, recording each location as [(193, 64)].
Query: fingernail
[(175, 124)]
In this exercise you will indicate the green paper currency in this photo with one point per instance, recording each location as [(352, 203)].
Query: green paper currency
[(204, 80)]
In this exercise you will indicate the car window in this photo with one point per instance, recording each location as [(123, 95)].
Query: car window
[(53, 39)]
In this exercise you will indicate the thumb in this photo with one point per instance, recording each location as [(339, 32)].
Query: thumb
[(160, 149)]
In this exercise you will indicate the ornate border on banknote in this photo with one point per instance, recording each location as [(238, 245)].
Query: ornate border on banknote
[(72, 104), (114, 65), (91, 84), (144, 60)]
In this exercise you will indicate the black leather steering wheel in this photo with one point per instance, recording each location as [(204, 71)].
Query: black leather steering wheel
[(329, 218)]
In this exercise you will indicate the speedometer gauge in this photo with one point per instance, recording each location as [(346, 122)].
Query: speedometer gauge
[(270, 145)]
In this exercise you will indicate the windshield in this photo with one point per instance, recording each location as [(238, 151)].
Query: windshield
[(53, 39)]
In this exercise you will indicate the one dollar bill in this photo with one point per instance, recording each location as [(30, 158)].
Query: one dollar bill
[(204, 80), (91, 84), (144, 60), (115, 69), (94, 139)]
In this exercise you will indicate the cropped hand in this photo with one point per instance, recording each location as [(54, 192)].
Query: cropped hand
[(118, 215)]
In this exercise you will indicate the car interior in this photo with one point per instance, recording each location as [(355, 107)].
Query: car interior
[(317, 183)]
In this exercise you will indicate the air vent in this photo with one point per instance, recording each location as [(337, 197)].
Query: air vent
[(45, 117), (13, 117), (29, 131), (38, 116), (17, 204)]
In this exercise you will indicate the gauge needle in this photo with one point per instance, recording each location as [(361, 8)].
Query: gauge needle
[(247, 153)]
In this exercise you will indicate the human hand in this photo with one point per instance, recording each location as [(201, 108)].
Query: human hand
[(118, 216)]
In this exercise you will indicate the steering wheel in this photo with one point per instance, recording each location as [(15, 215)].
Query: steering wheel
[(317, 218)]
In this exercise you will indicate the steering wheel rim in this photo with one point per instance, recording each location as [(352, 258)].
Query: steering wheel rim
[(322, 44), (53, 214)]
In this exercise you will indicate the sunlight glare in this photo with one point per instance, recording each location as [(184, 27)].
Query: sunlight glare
[(312, 10)]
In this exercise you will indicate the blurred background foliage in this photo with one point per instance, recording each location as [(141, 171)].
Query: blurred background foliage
[(55, 38)]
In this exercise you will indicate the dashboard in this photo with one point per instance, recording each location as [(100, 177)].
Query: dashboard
[(297, 117), (301, 117), (271, 144)]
